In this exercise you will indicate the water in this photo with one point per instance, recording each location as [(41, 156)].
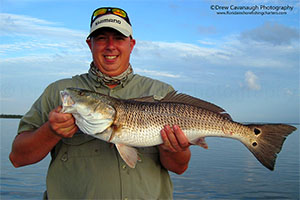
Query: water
[(227, 170), (19, 183)]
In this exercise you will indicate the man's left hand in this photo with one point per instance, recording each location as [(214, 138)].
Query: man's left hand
[(174, 140), (174, 152)]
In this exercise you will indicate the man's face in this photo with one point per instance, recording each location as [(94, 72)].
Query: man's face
[(111, 51)]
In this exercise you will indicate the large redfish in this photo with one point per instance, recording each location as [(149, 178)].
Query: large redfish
[(137, 123)]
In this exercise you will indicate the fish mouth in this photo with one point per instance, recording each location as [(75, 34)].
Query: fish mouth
[(66, 99)]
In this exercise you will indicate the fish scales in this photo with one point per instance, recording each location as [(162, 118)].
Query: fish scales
[(146, 120), (137, 123)]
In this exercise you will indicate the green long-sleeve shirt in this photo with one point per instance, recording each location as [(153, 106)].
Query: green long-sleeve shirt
[(83, 167)]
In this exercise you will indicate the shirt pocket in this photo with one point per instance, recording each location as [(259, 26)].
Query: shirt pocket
[(82, 145)]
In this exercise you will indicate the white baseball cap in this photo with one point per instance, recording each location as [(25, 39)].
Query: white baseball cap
[(115, 18)]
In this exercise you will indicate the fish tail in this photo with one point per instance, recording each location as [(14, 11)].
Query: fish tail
[(268, 142)]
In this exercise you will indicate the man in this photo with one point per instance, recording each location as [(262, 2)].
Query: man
[(84, 167)]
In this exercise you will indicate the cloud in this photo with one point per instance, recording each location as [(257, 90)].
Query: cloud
[(289, 92), (210, 62), (229, 51), (178, 51), (29, 43), (224, 52), (11, 24), (156, 73), (273, 33), (252, 81), (206, 42)]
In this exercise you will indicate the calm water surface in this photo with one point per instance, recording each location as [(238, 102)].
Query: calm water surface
[(227, 170)]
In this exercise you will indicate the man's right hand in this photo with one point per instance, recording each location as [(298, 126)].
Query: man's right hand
[(32, 146), (62, 124)]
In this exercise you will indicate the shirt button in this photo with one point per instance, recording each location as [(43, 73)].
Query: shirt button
[(64, 158), (125, 198), (123, 166)]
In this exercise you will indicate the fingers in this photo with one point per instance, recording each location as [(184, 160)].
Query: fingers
[(174, 140), (166, 145), (58, 109), (57, 116), (62, 124), (181, 138)]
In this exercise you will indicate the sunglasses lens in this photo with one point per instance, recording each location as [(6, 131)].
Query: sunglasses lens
[(104, 11), (119, 12), (101, 11)]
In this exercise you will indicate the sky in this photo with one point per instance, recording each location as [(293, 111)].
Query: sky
[(242, 55)]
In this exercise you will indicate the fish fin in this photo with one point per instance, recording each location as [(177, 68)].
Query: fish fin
[(270, 138), (200, 142), (128, 154), (174, 97), (111, 136), (149, 99), (114, 129)]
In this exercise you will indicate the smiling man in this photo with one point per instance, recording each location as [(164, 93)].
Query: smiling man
[(83, 167)]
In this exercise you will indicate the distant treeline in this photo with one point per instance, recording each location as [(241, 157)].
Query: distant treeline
[(11, 116)]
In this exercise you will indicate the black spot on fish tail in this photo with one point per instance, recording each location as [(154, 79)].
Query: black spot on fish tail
[(269, 141), (256, 131), (254, 144)]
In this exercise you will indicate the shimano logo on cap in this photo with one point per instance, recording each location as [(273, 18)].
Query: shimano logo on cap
[(108, 20)]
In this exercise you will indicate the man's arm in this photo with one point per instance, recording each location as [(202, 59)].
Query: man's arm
[(32, 146), (174, 152)]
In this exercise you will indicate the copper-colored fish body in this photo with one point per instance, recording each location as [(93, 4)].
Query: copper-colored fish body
[(137, 123)]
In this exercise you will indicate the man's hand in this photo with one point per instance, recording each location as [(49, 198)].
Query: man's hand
[(32, 146), (62, 124), (174, 152), (174, 139)]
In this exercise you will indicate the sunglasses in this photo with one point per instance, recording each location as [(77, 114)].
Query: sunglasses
[(108, 10)]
